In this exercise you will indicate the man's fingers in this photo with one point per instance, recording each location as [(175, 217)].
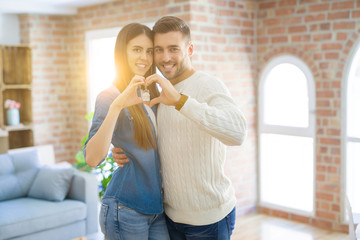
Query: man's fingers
[(116, 150), (153, 78), (154, 101)]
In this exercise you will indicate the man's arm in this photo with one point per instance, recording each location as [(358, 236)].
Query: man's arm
[(119, 156), (217, 113), (219, 116)]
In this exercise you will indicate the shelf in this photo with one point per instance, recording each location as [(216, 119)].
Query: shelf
[(22, 96), (20, 139), (20, 127), (16, 84), (16, 64)]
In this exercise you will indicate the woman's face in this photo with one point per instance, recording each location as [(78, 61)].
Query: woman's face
[(140, 54)]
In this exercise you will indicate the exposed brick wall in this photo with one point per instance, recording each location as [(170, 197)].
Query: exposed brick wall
[(321, 33), (49, 38)]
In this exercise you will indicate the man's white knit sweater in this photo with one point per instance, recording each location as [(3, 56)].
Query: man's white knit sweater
[(193, 152)]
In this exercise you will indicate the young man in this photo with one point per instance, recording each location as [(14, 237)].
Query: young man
[(196, 119)]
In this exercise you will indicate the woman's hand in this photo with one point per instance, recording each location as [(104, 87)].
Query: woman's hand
[(129, 96)]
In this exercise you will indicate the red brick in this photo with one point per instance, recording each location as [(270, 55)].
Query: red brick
[(341, 36), (356, 14), (329, 141), (313, 18), (339, 15), (271, 22), (285, 3), (276, 30), (342, 5), (322, 36), (284, 12), (344, 25), (325, 196), (332, 55), (297, 29), (319, 7), (331, 46), (279, 39), (267, 5), (327, 215)]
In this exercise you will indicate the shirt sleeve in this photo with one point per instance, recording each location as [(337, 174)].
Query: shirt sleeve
[(102, 105), (217, 113)]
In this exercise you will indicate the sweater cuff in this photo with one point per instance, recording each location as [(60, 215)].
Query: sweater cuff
[(181, 102)]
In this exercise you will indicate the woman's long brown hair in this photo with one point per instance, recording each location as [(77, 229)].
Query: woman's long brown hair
[(143, 133)]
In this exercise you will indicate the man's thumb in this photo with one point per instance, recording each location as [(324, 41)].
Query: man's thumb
[(154, 101)]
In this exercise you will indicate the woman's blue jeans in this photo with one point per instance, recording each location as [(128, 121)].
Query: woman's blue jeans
[(221, 230), (119, 222)]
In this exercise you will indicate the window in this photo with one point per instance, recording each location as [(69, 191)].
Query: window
[(286, 135), (352, 131), (100, 45)]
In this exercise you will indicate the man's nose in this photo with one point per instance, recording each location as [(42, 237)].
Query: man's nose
[(166, 56)]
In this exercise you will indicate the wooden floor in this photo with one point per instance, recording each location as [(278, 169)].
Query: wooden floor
[(263, 227)]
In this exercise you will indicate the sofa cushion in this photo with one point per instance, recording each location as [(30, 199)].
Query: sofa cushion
[(28, 215), (52, 183), (17, 172)]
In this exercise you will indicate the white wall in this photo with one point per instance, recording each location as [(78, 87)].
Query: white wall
[(9, 29)]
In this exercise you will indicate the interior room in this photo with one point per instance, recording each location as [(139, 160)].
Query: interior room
[(292, 67)]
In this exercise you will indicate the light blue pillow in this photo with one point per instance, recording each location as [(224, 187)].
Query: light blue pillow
[(52, 183)]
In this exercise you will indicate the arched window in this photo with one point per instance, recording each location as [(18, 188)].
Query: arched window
[(286, 136), (352, 131)]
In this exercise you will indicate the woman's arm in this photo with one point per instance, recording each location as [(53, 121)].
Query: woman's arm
[(104, 122), (98, 146)]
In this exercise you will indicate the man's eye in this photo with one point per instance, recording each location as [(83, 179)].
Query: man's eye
[(174, 49), (158, 50), (137, 50), (150, 52)]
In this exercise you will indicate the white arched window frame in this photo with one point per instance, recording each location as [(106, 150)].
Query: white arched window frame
[(351, 133), (306, 131)]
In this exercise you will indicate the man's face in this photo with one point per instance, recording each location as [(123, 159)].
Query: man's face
[(172, 55)]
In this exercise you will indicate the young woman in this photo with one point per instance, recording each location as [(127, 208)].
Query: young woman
[(132, 204)]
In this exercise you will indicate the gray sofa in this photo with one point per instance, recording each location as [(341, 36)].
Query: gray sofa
[(41, 202)]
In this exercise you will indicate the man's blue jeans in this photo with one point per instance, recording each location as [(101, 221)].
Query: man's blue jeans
[(221, 230), (119, 222)]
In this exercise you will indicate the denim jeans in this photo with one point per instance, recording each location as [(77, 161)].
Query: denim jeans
[(221, 230), (119, 222)]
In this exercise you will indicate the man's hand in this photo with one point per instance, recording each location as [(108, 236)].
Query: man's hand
[(169, 95), (119, 156)]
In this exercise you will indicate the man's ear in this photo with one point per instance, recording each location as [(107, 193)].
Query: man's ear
[(190, 48)]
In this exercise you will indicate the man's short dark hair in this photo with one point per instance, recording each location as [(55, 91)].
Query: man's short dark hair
[(172, 24)]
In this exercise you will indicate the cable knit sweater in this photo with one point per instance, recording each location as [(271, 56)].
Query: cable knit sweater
[(193, 152)]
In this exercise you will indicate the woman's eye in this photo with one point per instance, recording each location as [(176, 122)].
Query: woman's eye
[(150, 52), (137, 50)]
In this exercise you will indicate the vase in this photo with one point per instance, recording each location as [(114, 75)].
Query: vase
[(13, 116)]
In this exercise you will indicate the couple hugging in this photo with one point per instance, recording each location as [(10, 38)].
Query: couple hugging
[(170, 145)]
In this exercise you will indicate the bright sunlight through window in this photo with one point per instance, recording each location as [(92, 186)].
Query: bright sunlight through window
[(353, 134), (286, 132), (101, 69)]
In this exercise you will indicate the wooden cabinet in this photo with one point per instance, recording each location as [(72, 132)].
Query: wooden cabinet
[(15, 84)]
